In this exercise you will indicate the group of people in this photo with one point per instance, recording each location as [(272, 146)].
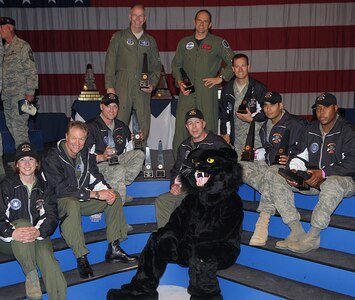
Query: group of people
[(76, 177)]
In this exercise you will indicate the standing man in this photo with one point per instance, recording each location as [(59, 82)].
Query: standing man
[(20, 80), (123, 68), (2, 170), (111, 139), (200, 55), (326, 150), (242, 88), (199, 138), (82, 190)]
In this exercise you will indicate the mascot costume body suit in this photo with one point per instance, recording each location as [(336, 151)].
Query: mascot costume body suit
[(203, 233)]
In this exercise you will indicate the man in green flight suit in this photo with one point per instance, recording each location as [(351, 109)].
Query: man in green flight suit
[(200, 55), (123, 67)]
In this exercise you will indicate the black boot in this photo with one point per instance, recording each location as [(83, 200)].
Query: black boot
[(115, 254), (84, 267), (122, 294)]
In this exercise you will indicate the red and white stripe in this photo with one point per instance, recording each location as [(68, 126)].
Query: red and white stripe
[(299, 49)]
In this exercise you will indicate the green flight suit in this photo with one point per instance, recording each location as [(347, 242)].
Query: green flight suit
[(123, 67), (200, 62)]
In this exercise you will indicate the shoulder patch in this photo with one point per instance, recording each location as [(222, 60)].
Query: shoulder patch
[(30, 55), (225, 44)]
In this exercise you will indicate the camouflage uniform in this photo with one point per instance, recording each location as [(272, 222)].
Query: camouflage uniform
[(200, 62), (334, 154), (123, 66), (20, 77)]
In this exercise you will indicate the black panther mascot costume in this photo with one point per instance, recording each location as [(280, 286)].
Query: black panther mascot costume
[(203, 233)]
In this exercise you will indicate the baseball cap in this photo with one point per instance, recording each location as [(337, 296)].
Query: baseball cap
[(272, 97), (194, 113), (110, 98), (7, 20), (26, 149), (325, 99)]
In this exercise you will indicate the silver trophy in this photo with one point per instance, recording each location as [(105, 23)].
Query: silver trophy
[(137, 140), (160, 172), (148, 172), (113, 160)]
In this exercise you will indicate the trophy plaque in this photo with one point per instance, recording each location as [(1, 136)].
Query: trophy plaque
[(89, 91), (160, 172), (186, 80), (242, 109), (297, 176), (137, 140), (283, 147), (148, 172), (144, 81), (248, 149)]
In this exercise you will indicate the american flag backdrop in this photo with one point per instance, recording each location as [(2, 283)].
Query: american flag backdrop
[(297, 47)]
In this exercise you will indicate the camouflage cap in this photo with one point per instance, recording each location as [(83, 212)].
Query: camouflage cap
[(7, 20)]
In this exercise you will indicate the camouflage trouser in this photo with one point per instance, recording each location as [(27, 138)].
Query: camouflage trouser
[(241, 133), (38, 253), (333, 190), (259, 176), (165, 204), (16, 123), (124, 173)]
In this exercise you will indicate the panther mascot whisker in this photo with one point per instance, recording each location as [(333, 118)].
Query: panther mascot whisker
[(203, 233)]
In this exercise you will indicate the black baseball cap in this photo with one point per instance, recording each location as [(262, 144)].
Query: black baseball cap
[(7, 20), (194, 113), (110, 98), (272, 97), (325, 99), (26, 149)]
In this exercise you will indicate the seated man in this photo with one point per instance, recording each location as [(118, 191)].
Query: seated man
[(82, 190), (111, 137), (326, 150), (195, 124), (278, 134)]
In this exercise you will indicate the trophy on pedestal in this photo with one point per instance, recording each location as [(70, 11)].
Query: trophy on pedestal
[(89, 91), (137, 139), (148, 172), (248, 149), (283, 147), (162, 87), (144, 80), (160, 172), (186, 80)]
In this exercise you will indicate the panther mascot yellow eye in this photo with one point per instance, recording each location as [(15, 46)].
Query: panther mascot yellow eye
[(210, 160)]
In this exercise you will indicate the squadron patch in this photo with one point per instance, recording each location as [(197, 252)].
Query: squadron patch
[(314, 147), (276, 138), (144, 43), (106, 140), (119, 139), (225, 44), (190, 45), (130, 42), (39, 204), (331, 148), (15, 204)]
